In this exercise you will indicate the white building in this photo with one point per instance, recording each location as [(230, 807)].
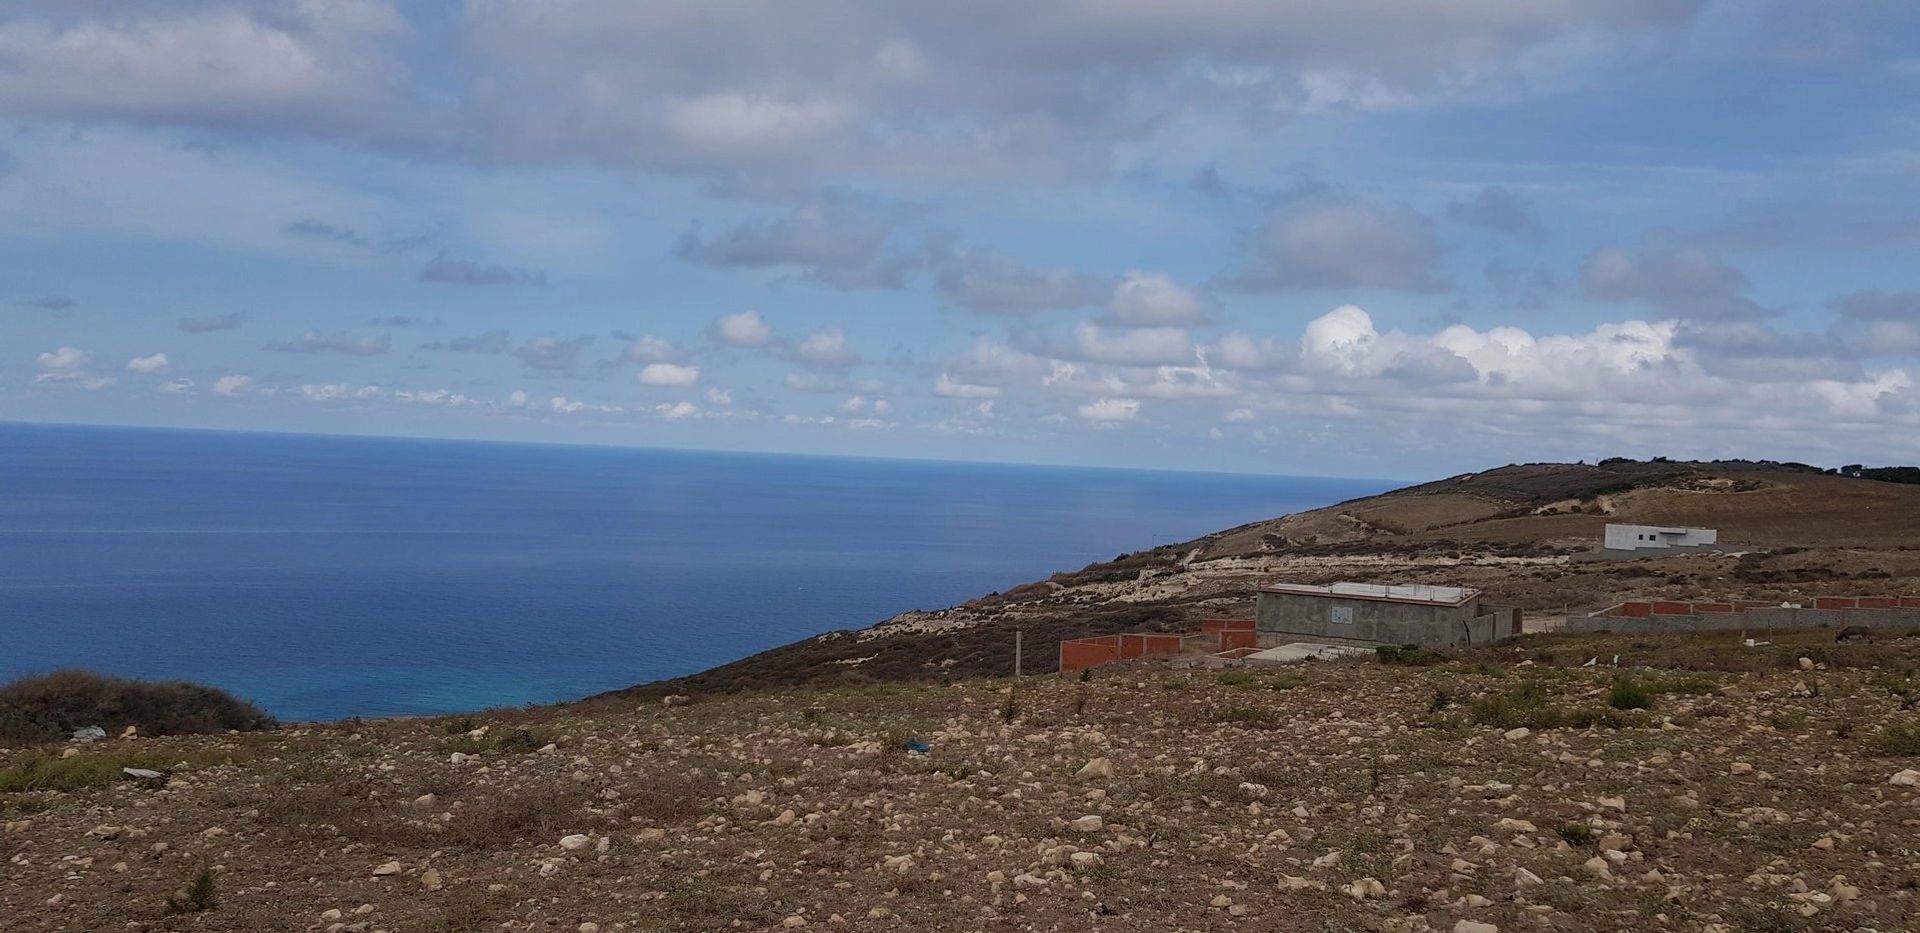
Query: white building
[(1658, 537)]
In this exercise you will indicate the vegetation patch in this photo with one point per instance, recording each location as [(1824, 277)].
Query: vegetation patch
[(1409, 655), (1528, 706), (1899, 739), (41, 771), (51, 707)]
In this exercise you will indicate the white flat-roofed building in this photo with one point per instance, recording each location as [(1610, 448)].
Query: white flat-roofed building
[(1658, 537)]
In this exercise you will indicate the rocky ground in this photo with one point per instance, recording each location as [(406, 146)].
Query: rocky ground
[(1701, 786)]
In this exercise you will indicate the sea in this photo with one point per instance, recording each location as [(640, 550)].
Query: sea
[(329, 577)]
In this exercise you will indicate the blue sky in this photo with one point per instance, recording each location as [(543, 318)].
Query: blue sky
[(1371, 238)]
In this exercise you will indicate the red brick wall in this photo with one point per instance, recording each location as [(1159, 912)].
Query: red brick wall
[(1087, 652)]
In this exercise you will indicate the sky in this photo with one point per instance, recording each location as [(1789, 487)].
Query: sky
[(1364, 237)]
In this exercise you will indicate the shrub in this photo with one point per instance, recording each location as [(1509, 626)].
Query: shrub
[(50, 707), (1410, 655), (1628, 693), (1899, 739), (501, 742), (1527, 706), (197, 897), (1579, 834)]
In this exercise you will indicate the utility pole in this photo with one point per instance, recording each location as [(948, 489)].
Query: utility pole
[(1016, 652)]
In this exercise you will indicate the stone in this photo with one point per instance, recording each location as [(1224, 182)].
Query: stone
[(1088, 824), (390, 868), (1740, 767), (430, 879), (575, 842), (1518, 734), (1475, 926), (1518, 826), (1907, 778), (1523, 878), (1806, 664), (425, 800), (1095, 769)]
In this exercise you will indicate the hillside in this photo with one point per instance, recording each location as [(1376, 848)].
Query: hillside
[(1703, 787), (1513, 532)]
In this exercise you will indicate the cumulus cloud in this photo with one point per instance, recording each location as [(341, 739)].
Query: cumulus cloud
[(492, 342), (650, 349), (1143, 299), (446, 271), (316, 342), (824, 349), (1145, 346), (1877, 323), (312, 64), (552, 353), (1674, 277), (1339, 244), (745, 330), (212, 323), (63, 360), (1110, 410), (669, 375), (148, 365), (233, 386), (948, 387), (995, 285), (753, 90), (840, 242), (1498, 209)]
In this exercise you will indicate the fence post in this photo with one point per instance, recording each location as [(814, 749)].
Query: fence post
[(1016, 652)]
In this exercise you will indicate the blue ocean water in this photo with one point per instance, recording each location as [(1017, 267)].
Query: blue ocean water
[(326, 577)]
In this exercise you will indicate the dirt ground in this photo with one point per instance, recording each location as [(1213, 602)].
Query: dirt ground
[(1699, 786)]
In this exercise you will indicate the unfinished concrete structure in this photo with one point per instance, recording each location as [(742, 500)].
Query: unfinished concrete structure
[(1370, 613), (1658, 537)]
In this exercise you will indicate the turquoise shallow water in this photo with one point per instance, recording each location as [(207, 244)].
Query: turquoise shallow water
[(327, 577)]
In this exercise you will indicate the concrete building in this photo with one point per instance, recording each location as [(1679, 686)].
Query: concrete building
[(1658, 537), (1369, 613)]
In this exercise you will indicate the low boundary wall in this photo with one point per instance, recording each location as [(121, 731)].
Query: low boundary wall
[(1658, 616), (1214, 635)]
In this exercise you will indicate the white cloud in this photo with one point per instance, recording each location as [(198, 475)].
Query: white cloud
[(1344, 244), (948, 387), (1147, 346), (719, 397), (176, 386), (148, 365), (678, 410), (669, 375), (233, 386), (755, 125), (64, 360), (173, 63), (651, 349), (1110, 410), (1145, 299), (745, 330), (517, 399), (825, 349)]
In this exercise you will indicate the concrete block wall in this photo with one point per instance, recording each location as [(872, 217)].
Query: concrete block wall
[(1759, 619)]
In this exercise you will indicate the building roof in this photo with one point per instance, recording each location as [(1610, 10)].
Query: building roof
[(1658, 529), (1416, 593)]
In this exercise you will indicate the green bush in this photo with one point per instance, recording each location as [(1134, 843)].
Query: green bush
[(39, 771), (1628, 693), (50, 707), (1409, 655), (1900, 739)]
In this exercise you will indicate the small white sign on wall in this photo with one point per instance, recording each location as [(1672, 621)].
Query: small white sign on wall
[(1342, 615)]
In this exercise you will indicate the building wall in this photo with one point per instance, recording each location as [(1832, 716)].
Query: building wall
[(1376, 621), (1648, 537), (1749, 620)]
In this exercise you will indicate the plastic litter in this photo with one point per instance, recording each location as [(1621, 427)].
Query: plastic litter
[(90, 734), (918, 747), (144, 774)]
